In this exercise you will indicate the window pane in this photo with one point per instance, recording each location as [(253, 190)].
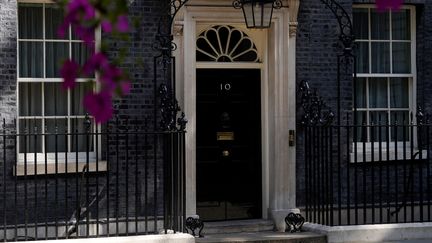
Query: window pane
[(55, 100), (361, 92), (378, 93), (30, 143), (77, 96), (31, 59), (30, 21), (53, 139), (81, 53), (81, 139), (402, 57), (380, 57), (401, 25), (380, 25), (362, 54), (53, 19), (30, 99), (399, 93), (56, 54), (378, 118), (361, 23), (400, 118), (360, 134)]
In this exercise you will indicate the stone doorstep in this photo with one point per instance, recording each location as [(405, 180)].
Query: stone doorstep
[(382, 233), (254, 230), (264, 237), (237, 226)]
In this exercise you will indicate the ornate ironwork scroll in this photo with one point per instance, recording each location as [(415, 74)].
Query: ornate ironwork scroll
[(164, 61), (294, 222), (164, 38), (167, 109), (170, 120), (315, 110), (345, 24), (192, 224), (346, 57)]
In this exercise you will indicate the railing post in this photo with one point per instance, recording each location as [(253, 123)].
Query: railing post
[(87, 125), (4, 182), (127, 175), (306, 171), (108, 174)]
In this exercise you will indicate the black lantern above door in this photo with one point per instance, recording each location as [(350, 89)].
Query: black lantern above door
[(258, 13)]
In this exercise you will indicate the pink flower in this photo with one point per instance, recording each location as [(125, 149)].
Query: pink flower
[(87, 34), (125, 87), (95, 62), (110, 75), (383, 5), (106, 26), (122, 24), (69, 73), (83, 7), (99, 105), (77, 12)]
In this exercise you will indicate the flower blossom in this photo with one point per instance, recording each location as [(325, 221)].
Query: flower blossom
[(99, 105), (110, 76), (106, 26), (95, 62), (81, 16), (82, 7), (125, 87), (69, 73), (78, 11), (383, 5), (87, 34), (122, 24)]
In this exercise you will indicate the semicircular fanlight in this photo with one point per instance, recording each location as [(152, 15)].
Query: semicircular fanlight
[(224, 43)]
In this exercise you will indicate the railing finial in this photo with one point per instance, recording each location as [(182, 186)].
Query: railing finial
[(315, 110)]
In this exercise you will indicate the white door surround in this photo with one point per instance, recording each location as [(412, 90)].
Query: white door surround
[(276, 48)]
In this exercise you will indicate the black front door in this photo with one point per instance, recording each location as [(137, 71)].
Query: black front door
[(228, 144)]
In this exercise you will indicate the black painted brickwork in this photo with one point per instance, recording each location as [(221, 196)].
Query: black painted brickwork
[(316, 63), (138, 104)]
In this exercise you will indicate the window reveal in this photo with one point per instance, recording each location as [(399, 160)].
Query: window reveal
[(43, 107), (386, 71)]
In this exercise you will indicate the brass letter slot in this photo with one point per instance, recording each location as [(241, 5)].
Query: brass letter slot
[(225, 136), (291, 138)]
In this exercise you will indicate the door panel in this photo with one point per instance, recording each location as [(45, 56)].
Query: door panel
[(228, 144)]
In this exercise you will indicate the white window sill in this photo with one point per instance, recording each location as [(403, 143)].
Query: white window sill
[(58, 168), (52, 158), (392, 156)]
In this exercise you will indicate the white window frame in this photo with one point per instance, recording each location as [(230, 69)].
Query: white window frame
[(50, 158), (412, 84)]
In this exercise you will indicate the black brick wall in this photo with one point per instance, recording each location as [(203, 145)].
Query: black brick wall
[(316, 63), (317, 50), (139, 104), (8, 55)]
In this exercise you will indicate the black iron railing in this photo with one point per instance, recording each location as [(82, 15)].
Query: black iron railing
[(117, 179), (374, 171)]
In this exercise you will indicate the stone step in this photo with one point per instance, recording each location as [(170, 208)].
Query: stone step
[(264, 237), (237, 226)]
